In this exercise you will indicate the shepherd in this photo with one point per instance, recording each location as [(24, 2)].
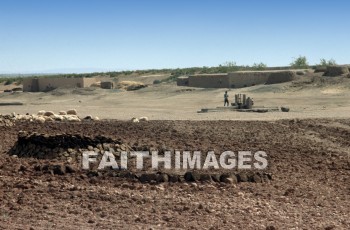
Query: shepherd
[(226, 99)]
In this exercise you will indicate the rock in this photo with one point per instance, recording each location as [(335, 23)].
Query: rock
[(72, 112), (70, 169), (256, 178), (48, 113), (267, 176), (37, 168), (216, 177), (228, 179), (205, 178), (161, 178), (192, 176), (173, 178), (147, 177), (58, 170), (284, 109), (270, 227), (91, 174), (242, 177)]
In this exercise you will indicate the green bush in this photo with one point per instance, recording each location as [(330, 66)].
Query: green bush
[(259, 66), (8, 82), (330, 62), (300, 62)]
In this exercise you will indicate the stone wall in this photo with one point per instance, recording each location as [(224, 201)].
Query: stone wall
[(280, 77), (46, 84), (241, 79), (107, 85), (238, 79), (208, 80), (182, 81), (88, 81)]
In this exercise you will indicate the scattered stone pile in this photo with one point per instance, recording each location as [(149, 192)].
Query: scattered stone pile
[(69, 148), (66, 147), (161, 177), (194, 176)]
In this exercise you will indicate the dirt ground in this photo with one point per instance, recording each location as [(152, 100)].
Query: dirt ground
[(308, 97), (308, 160)]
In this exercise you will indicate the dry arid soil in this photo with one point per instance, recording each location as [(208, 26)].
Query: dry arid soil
[(308, 160)]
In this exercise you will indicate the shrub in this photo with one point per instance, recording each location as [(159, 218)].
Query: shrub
[(8, 82), (300, 62), (330, 62), (259, 66)]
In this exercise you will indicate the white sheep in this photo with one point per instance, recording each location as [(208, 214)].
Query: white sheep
[(48, 113), (134, 120), (41, 113), (143, 119)]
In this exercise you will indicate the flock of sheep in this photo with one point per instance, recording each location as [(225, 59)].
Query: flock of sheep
[(70, 115), (43, 116)]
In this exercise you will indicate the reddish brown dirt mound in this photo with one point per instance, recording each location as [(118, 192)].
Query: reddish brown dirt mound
[(308, 161)]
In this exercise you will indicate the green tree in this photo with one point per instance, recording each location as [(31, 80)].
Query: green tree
[(300, 62)]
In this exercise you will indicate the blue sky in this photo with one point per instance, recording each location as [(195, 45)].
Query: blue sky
[(86, 35)]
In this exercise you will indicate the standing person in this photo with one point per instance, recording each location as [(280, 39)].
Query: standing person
[(226, 99)]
